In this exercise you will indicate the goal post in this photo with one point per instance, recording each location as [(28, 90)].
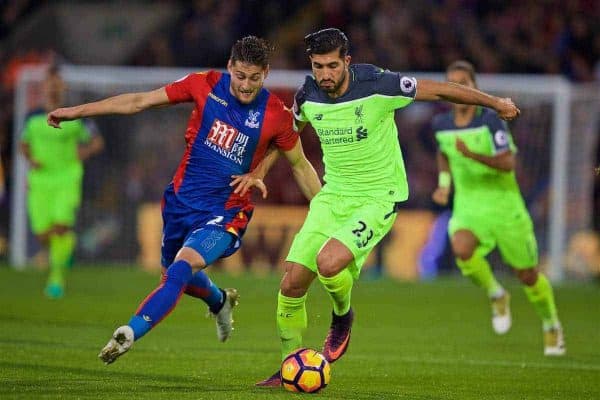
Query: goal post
[(557, 135)]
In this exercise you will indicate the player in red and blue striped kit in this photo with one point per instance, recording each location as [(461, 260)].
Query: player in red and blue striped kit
[(205, 213)]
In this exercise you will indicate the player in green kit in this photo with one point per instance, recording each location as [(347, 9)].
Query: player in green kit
[(54, 180), (477, 155), (351, 108)]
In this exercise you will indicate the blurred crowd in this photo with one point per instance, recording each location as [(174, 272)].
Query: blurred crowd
[(547, 37)]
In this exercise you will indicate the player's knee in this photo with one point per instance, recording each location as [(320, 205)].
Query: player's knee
[(528, 276), (462, 251), (290, 288), (464, 244), (328, 266), (192, 257)]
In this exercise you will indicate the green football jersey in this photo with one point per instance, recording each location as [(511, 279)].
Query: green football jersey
[(477, 186), (55, 149), (357, 131)]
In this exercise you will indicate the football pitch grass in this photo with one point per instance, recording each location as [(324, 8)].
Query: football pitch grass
[(410, 341)]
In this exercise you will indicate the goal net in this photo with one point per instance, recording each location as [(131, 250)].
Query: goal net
[(557, 137)]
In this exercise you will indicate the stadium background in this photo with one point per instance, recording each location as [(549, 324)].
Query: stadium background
[(411, 339), (142, 151)]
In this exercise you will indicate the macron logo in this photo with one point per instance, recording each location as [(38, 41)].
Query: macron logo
[(217, 99)]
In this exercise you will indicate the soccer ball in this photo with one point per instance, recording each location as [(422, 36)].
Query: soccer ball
[(305, 370)]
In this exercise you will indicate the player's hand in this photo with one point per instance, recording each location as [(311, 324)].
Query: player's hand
[(507, 110), (243, 183), (60, 114), (461, 146), (440, 196)]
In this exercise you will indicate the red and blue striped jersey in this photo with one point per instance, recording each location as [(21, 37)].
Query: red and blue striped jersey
[(224, 137)]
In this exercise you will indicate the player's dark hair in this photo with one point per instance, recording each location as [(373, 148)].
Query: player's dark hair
[(463, 65), (325, 41), (252, 50)]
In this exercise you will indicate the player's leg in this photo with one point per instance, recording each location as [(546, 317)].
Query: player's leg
[(63, 209), (291, 306), (203, 246), (155, 307), (360, 226), (291, 313), (40, 218), (470, 254), (300, 271), (518, 247)]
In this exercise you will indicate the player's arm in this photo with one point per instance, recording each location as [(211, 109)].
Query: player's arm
[(127, 103), (304, 173), (26, 151), (442, 192), (299, 125), (255, 178), (504, 161), (428, 90), (91, 148)]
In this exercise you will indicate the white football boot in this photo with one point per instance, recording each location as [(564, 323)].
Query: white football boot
[(119, 344), (501, 318), (554, 341), (224, 318)]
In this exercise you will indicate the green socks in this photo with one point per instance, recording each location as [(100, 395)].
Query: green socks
[(541, 296), (479, 271), (61, 253), (339, 288), (291, 322)]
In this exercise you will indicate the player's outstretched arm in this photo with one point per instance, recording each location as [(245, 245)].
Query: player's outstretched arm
[(428, 90), (128, 103), (304, 173)]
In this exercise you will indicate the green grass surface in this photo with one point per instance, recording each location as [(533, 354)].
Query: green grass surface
[(410, 341)]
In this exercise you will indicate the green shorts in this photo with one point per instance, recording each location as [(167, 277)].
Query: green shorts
[(513, 235), (52, 203), (358, 222)]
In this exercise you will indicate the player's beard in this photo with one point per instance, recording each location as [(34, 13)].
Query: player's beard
[(336, 86)]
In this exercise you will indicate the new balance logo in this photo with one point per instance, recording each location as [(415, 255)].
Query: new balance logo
[(318, 117), (361, 133)]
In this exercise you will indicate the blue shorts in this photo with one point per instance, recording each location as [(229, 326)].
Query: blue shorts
[(181, 221)]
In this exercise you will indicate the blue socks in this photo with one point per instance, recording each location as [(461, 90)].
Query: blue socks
[(162, 300), (203, 288)]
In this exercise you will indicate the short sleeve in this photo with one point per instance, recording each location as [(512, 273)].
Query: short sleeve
[(182, 89), (87, 130), (500, 134), (401, 89), (286, 137), (299, 99)]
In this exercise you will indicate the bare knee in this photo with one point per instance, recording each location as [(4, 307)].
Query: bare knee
[(333, 258), (328, 266), (296, 280), (464, 244), (290, 288), (527, 276), (192, 257)]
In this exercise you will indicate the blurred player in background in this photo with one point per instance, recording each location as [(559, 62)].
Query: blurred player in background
[(351, 108), (477, 155), (54, 179), (205, 212)]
